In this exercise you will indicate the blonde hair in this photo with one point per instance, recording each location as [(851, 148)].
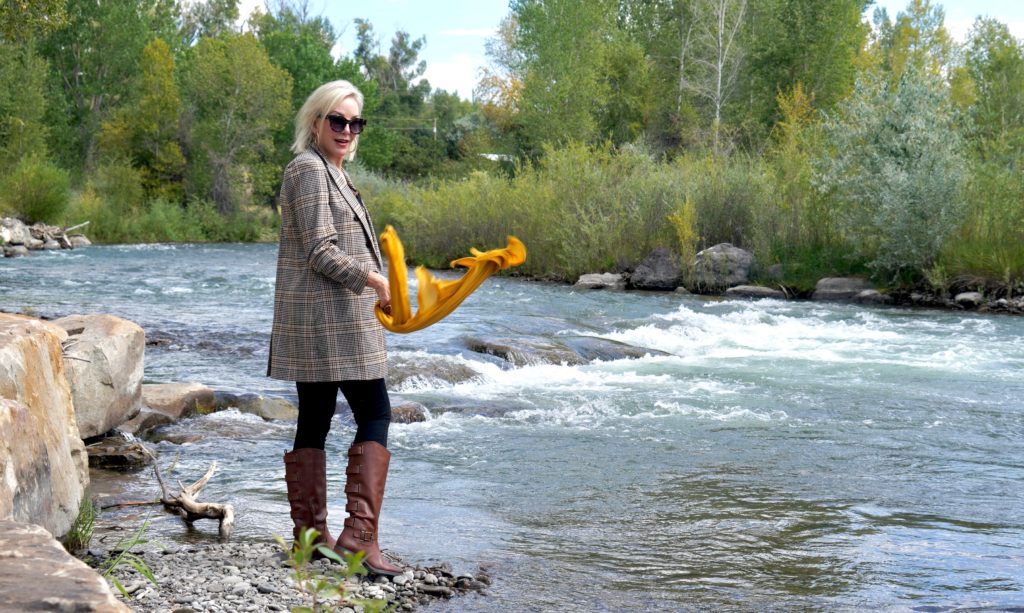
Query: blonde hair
[(319, 103)]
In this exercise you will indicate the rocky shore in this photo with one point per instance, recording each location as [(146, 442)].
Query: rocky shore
[(17, 239), (254, 577)]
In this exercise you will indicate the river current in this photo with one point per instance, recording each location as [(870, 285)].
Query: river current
[(769, 455)]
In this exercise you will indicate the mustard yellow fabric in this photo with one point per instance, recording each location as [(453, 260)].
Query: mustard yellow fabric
[(437, 298)]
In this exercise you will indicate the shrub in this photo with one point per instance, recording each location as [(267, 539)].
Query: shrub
[(37, 190), (896, 170)]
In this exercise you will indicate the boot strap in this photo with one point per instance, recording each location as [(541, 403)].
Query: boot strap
[(363, 535), (356, 506), (353, 469), (355, 450), (353, 488)]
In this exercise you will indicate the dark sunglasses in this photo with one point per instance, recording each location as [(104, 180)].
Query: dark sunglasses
[(338, 123)]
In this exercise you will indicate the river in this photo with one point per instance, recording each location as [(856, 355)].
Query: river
[(776, 455)]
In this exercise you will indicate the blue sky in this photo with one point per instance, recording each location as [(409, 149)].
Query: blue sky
[(456, 30)]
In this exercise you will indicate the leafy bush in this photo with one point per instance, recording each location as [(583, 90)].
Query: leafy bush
[(896, 170), (37, 190)]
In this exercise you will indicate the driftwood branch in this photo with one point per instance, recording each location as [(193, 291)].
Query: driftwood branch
[(75, 227), (185, 505)]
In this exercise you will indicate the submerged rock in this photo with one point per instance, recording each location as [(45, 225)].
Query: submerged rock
[(593, 348), (267, 407), (754, 291), (605, 280), (118, 452), (179, 400), (525, 351), (840, 288), (409, 413)]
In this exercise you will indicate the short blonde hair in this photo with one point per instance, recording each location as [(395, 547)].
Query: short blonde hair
[(319, 103)]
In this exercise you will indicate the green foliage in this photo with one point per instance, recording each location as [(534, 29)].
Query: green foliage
[(896, 170), (329, 586), (995, 64), (234, 115), (21, 20), (23, 103), (80, 533), (145, 129), (36, 190), (125, 556)]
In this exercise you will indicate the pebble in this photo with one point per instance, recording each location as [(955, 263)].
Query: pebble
[(249, 576)]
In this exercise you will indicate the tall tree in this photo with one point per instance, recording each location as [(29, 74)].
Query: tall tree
[(91, 58), (995, 64), (146, 128), (233, 114), (210, 18), (811, 42), (23, 103), (917, 37)]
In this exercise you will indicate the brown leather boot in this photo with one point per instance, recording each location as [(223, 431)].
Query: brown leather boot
[(305, 471), (365, 478)]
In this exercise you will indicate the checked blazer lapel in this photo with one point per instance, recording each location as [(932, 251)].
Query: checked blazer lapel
[(355, 204)]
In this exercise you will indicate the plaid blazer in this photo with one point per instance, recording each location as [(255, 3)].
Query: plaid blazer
[(324, 327)]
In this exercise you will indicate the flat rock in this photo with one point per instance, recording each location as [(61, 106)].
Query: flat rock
[(754, 291), (844, 289), (267, 407), (145, 422), (179, 400), (37, 574), (591, 348), (525, 351), (603, 280), (969, 300)]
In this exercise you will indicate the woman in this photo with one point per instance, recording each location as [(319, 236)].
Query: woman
[(325, 336)]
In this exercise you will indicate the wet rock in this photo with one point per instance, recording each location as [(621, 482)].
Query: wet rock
[(591, 348), (103, 362), (969, 300), (659, 271), (117, 452), (50, 244), (42, 458), (14, 231), (754, 291), (604, 280), (267, 407), (843, 289), (409, 413), (721, 266), (410, 369), (78, 240), (15, 251), (872, 296), (525, 352), (179, 400), (37, 574), (145, 422)]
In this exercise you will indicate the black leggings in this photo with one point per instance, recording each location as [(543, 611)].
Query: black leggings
[(367, 399)]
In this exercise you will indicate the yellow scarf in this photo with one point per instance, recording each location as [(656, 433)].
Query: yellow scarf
[(437, 299)]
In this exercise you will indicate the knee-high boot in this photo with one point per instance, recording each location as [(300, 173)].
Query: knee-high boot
[(305, 471), (366, 475)]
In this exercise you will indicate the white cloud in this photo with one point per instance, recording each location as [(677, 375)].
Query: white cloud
[(457, 74), (246, 7)]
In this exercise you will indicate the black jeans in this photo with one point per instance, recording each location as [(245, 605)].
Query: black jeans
[(370, 405)]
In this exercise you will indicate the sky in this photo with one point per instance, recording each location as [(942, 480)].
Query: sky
[(457, 30)]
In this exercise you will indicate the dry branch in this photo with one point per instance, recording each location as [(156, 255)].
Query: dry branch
[(185, 505)]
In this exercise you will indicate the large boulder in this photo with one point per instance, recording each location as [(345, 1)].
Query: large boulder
[(600, 280), (14, 232), (37, 574), (721, 266), (44, 466), (179, 400), (267, 407), (103, 363), (843, 289), (659, 271)]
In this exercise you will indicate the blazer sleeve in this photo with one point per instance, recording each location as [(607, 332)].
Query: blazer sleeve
[(307, 191)]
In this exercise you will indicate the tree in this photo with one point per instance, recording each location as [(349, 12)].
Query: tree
[(210, 18), (146, 129), (233, 114), (23, 20), (23, 103), (995, 64), (814, 43), (92, 57), (918, 37), (896, 169)]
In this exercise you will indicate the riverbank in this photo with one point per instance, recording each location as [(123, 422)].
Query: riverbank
[(253, 577)]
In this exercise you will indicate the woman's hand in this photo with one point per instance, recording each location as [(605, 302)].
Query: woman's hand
[(379, 283)]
